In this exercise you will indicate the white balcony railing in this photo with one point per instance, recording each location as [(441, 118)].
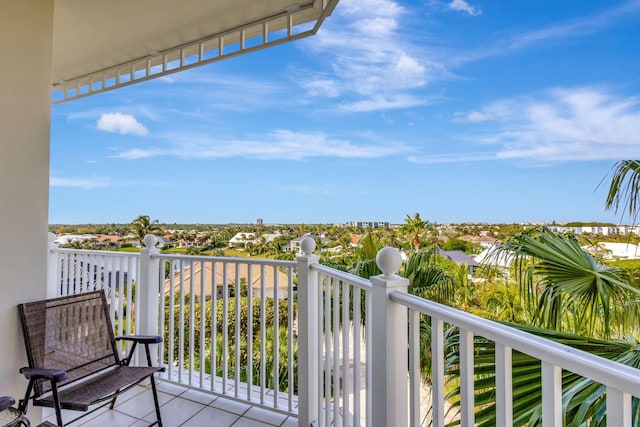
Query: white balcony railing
[(317, 343), (209, 335)]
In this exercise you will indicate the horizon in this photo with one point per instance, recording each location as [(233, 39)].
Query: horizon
[(276, 224), (461, 110)]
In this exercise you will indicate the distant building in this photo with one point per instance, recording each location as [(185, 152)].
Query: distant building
[(484, 241), (459, 258), (369, 224), (107, 241), (260, 221), (294, 245), (603, 230), (241, 239), (70, 238), (616, 250), (502, 261)]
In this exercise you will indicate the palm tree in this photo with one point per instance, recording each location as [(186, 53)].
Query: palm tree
[(565, 287), (562, 286), (584, 401), (624, 189), (465, 288), (367, 266), (415, 227), (428, 279), (503, 302), (143, 226)]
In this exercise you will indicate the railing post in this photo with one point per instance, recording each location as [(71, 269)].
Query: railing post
[(389, 342), (53, 278), (308, 324), (148, 289)]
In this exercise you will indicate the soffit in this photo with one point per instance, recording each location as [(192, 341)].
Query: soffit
[(96, 42)]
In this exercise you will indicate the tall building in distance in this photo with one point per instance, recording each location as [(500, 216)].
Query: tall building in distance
[(369, 224), (259, 221)]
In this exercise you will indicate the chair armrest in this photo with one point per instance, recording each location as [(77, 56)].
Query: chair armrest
[(55, 375), (6, 402), (141, 339)]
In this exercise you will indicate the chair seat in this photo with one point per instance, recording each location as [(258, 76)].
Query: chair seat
[(99, 388)]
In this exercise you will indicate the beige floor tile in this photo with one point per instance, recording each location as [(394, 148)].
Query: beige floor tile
[(142, 404), (264, 415), (110, 418), (248, 422), (176, 412), (230, 405), (212, 417), (290, 422), (198, 396)]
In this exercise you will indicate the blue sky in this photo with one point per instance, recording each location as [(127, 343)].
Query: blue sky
[(459, 110)]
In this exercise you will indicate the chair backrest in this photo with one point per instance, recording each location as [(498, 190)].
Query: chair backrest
[(71, 333)]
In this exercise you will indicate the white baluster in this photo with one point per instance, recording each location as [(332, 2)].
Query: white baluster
[(308, 335)]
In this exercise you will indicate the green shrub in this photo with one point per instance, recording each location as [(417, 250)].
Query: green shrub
[(206, 335)]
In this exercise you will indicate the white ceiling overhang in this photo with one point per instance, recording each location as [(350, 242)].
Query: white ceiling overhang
[(100, 45)]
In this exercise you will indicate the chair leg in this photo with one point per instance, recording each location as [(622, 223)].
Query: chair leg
[(155, 400), (113, 401), (56, 402)]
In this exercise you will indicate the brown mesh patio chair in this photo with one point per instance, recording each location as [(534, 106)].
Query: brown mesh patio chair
[(73, 358)]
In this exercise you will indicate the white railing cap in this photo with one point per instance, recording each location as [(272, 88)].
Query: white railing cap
[(150, 241), (389, 261), (308, 245)]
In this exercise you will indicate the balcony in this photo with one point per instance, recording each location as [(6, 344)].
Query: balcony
[(180, 406), (327, 348)]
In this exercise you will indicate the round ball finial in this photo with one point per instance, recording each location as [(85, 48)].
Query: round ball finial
[(51, 237), (150, 241), (389, 261), (308, 245)]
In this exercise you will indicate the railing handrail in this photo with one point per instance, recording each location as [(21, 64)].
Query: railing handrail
[(94, 252), (226, 259), (352, 279), (171, 256), (604, 371)]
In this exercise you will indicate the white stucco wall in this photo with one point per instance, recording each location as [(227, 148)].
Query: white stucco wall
[(26, 29)]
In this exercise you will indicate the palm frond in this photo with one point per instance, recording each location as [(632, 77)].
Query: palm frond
[(370, 246), (567, 284), (624, 189), (583, 400), (427, 279)]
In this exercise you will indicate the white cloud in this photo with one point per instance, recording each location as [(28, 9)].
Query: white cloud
[(453, 158), (561, 30), (377, 103), (280, 144), (138, 153), (566, 124), (322, 87), (121, 123), (86, 183), (372, 56), (463, 6), (492, 112)]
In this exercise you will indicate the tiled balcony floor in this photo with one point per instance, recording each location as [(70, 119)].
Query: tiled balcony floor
[(179, 406)]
